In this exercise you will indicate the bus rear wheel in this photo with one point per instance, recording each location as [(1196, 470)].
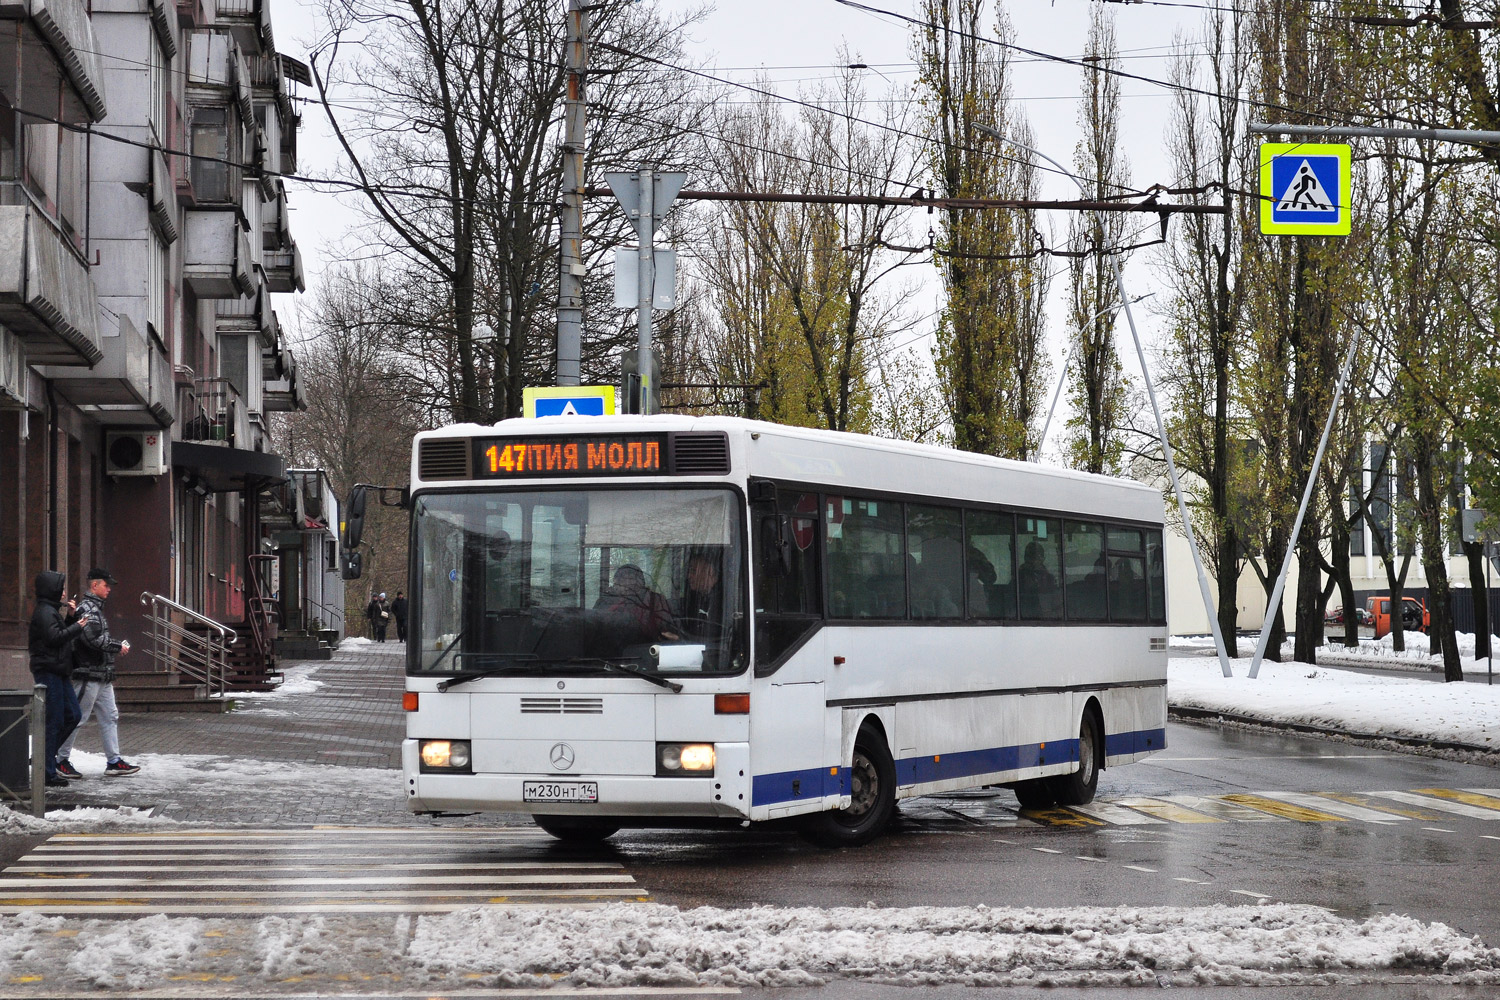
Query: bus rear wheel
[(575, 831), (1077, 789), (872, 797)]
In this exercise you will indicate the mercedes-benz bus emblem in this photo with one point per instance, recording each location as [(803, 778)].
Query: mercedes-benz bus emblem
[(562, 756)]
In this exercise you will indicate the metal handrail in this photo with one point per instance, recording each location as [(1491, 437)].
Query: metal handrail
[(329, 608), (204, 658)]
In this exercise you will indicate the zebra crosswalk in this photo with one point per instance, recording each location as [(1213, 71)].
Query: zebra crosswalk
[(1383, 807), (322, 870)]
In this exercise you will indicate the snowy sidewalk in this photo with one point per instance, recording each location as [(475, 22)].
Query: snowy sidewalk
[(1415, 707)]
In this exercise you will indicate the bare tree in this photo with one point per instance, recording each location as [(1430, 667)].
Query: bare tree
[(456, 139)]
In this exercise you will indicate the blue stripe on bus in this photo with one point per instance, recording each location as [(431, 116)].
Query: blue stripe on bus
[(1141, 741), (813, 783), (799, 786)]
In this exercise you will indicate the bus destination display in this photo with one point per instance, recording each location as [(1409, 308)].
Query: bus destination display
[(592, 455)]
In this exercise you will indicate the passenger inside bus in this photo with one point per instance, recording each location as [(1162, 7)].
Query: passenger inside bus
[(640, 614), (1037, 584)]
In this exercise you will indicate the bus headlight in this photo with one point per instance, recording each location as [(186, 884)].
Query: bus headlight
[(684, 760), (445, 755)]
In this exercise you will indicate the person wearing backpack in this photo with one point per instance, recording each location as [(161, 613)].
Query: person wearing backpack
[(94, 654)]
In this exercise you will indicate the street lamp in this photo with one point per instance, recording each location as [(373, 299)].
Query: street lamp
[(1161, 430)]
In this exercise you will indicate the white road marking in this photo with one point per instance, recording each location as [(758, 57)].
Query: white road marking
[(1438, 829), (1115, 815), (1085, 857), (1046, 850), (77, 880), (1140, 868), (1440, 805), (1334, 806), (1247, 892)]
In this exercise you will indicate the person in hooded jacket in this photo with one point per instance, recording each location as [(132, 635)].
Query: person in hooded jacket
[(94, 654), (50, 643)]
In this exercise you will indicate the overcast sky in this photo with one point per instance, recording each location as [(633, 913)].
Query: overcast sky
[(795, 42)]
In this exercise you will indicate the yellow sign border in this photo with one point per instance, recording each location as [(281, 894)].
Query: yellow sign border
[(1270, 151), (530, 396)]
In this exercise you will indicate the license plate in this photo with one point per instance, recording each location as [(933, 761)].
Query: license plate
[(560, 791)]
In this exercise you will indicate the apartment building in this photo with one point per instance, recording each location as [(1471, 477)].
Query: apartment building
[(139, 350)]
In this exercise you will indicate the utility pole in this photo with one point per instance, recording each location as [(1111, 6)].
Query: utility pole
[(645, 230), (570, 259)]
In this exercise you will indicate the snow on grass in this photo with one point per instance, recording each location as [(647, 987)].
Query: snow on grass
[(1300, 693), (633, 945)]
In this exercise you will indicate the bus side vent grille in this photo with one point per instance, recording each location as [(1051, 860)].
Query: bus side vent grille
[(562, 706), (1158, 643), (444, 459), (699, 453)]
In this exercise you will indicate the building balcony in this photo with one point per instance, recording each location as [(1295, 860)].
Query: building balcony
[(46, 294), (216, 60), (52, 59), (283, 394), (248, 20), (132, 384), (216, 262), (284, 270)]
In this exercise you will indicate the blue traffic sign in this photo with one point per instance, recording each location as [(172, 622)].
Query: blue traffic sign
[(1305, 189), (569, 401)]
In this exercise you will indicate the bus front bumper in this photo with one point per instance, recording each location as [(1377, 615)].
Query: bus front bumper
[(726, 795)]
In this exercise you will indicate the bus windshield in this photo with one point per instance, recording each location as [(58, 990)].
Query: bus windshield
[(578, 581)]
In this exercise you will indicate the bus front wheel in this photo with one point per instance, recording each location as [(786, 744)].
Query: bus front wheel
[(575, 831), (872, 797), (1077, 789)]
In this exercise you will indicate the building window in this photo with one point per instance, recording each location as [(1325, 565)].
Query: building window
[(215, 149)]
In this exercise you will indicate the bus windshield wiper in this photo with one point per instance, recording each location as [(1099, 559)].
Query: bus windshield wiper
[(589, 661), (471, 675), (621, 668)]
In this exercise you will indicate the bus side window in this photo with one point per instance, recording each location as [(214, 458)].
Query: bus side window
[(1127, 575), (1156, 572), (990, 540), (1039, 541), (866, 558), (788, 605), (1085, 571), (935, 555)]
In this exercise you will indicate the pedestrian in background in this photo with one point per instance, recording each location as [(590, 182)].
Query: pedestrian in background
[(398, 612), (50, 645), (378, 612), (94, 653)]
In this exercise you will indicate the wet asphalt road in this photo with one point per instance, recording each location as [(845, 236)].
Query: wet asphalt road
[(967, 848)]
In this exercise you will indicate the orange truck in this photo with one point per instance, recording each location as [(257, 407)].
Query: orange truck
[(1414, 614)]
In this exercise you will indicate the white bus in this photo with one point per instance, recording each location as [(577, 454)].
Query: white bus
[(677, 621)]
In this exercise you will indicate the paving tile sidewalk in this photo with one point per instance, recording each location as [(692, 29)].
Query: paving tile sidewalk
[(326, 756), (354, 718)]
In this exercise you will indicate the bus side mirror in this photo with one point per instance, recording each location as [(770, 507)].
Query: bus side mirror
[(776, 544), (354, 519), (354, 564)]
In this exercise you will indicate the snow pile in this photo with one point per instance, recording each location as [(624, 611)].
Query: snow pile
[(296, 679), (631, 945), (1300, 693), (354, 640), (91, 819)]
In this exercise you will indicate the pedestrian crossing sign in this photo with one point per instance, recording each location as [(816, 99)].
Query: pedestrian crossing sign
[(569, 401), (1304, 189)]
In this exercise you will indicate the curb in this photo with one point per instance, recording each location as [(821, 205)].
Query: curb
[(1213, 715)]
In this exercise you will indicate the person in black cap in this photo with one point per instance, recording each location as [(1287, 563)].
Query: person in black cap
[(94, 679), (54, 627)]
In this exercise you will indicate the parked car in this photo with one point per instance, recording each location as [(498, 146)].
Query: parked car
[(1335, 616), (1414, 614)]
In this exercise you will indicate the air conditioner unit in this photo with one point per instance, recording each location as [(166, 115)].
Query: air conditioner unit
[(134, 453)]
